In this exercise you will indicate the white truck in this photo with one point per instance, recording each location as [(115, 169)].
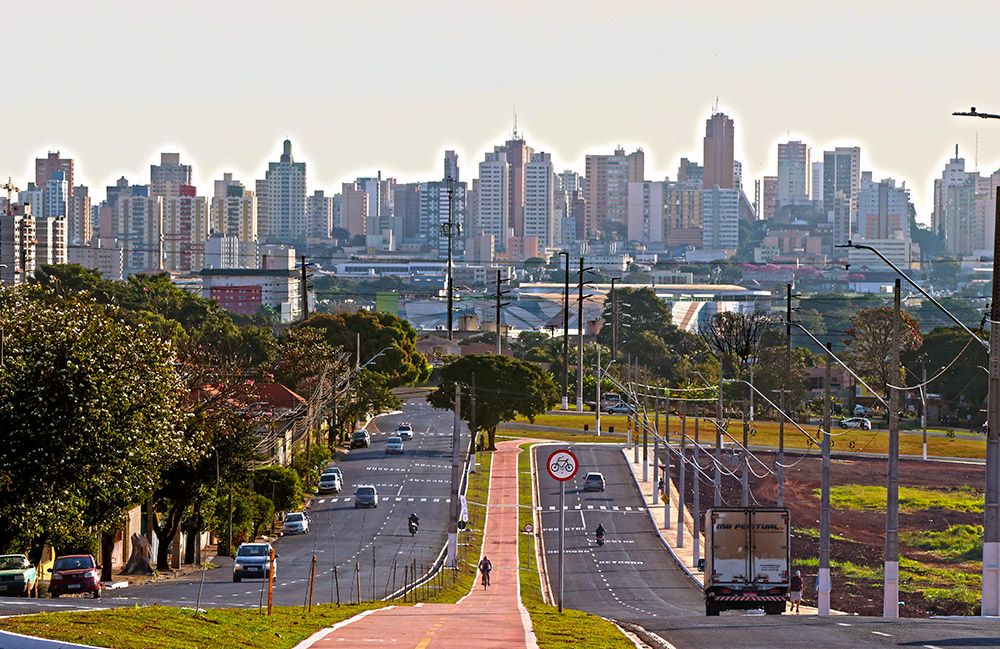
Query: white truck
[(747, 560)]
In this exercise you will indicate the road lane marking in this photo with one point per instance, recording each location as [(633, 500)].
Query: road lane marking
[(843, 624), (887, 635)]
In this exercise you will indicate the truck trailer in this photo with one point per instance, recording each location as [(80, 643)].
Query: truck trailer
[(747, 559)]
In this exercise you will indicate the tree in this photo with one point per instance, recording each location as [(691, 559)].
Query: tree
[(505, 388), (640, 309), (368, 392), (281, 485), (89, 412), (869, 343), (382, 333), (952, 348), (736, 335)]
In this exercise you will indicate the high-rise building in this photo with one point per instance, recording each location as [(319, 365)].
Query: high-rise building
[(281, 199), (185, 230), (962, 214), (492, 202), (718, 148), (140, 229), (166, 178), (433, 216), (372, 187), (793, 173), (606, 192), (816, 187), (517, 154), (34, 196), (17, 244), (690, 171), (720, 218), (45, 167), (842, 173), (50, 240), (770, 197), (682, 213), (406, 203), (80, 224), (234, 210), (57, 193), (539, 200), (645, 212), (451, 169), (354, 209), (883, 208), (319, 209)]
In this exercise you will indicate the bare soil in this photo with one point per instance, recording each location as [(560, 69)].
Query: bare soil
[(865, 531)]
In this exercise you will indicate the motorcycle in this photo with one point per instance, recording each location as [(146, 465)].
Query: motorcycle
[(413, 528), (599, 532)]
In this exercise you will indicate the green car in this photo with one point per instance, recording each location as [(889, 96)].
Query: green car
[(17, 575)]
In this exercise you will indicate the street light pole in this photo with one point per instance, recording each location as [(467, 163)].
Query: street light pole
[(565, 392), (579, 352), (451, 281), (890, 591), (991, 512), (614, 320)]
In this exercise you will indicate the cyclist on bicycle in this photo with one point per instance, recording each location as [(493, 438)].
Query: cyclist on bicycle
[(485, 566)]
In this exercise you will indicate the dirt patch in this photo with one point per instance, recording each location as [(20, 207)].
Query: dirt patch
[(863, 533)]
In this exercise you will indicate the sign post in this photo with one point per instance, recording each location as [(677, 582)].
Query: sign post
[(562, 466)]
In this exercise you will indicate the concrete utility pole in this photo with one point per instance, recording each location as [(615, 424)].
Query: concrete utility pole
[(696, 501), (745, 477), (718, 444), (681, 472), (456, 472), (991, 514), (890, 597), (635, 418), (565, 394), (579, 351), (473, 429), (645, 426), (305, 289), (614, 320), (824, 502), (451, 234), (656, 446), (923, 406), (784, 389), (499, 296), (666, 465), (597, 410)]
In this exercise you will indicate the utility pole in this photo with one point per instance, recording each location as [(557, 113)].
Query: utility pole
[(718, 444), (782, 400), (305, 289), (614, 320), (745, 478), (923, 406), (656, 445), (991, 513), (890, 597), (500, 294), (473, 429), (451, 234), (645, 426), (666, 465), (455, 480), (824, 500), (565, 394), (597, 410), (681, 472), (579, 351)]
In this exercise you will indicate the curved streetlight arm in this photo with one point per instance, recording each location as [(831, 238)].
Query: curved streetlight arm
[(858, 246)]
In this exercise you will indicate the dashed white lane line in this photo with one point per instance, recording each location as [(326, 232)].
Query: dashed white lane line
[(886, 635), (843, 624)]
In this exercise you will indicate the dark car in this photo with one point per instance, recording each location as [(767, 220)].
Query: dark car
[(253, 560), (593, 482), (75, 573), (361, 439)]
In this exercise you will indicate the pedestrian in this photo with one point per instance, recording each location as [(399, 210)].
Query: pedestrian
[(795, 591)]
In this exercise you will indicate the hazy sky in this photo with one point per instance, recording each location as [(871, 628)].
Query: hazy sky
[(362, 86)]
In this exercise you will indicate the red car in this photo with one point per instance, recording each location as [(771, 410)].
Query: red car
[(75, 573)]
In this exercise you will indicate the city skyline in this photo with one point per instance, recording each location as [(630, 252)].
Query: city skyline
[(400, 83)]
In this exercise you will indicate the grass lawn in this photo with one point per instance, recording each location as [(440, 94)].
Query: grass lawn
[(958, 543), (160, 626), (513, 433), (873, 498), (765, 433), (554, 630)]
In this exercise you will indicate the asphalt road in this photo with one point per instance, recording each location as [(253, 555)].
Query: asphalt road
[(418, 481), (633, 578)]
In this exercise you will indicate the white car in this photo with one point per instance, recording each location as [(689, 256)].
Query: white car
[(404, 431), (394, 445), (856, 422), (331, 481), (295, 523)]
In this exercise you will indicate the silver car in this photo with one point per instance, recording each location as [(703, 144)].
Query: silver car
[(295, 523), (366, 495), (394, 445), (253, 560), (330, 481)]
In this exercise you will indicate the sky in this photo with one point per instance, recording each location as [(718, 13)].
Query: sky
[(365, 86)]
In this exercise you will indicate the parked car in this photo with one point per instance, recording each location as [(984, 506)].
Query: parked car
[(75, 573), (405, 431), (331, 481), (361, 439), (295, 523), (618, 409), (366, 495), (253, 560), (394, 445), (856, 422), (17, 575), (594, 481)]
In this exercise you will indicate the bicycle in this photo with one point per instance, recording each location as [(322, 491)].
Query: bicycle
[(486, 578), (562, 464)]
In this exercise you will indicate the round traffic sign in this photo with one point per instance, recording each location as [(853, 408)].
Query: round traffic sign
[(528, 528), (562, 465)]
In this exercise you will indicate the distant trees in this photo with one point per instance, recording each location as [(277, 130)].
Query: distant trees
[(736, 335), (505, 388), (869, 343)]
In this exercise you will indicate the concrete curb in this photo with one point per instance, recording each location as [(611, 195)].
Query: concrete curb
[(17, 641), (649, 512)]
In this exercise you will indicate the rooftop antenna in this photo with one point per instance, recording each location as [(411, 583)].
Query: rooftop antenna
[(515, 123), (715, 108)]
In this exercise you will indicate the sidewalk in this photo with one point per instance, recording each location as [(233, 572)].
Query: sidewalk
[(483, 618), (668, 530)]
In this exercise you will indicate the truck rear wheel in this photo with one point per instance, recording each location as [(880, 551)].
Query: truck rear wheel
[(711, 608)]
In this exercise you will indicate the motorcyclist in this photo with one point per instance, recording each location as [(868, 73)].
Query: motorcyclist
[(414, 519), (600, 529)]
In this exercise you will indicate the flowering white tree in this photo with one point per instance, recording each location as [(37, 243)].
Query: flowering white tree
[(89, 412)]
